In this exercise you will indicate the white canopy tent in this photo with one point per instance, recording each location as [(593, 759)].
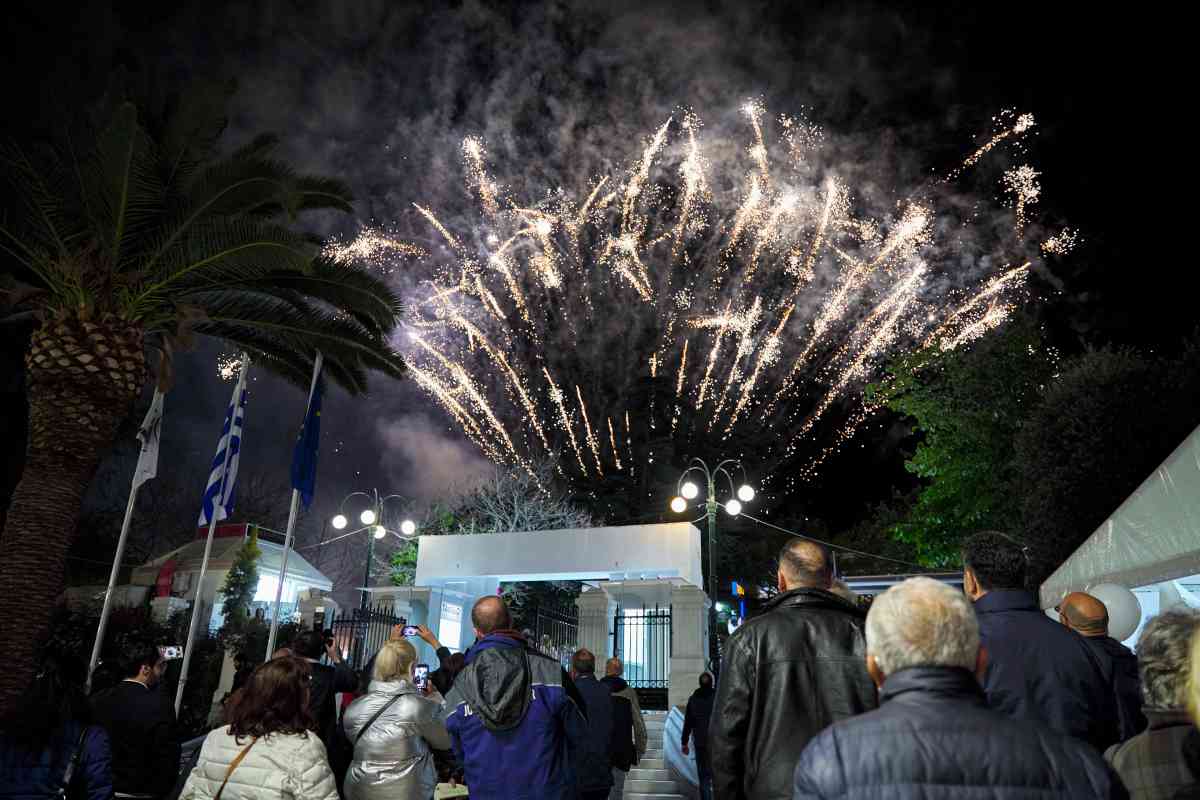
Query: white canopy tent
[(1151, 542)]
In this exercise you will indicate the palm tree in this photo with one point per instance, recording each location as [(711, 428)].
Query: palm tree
[(137, 236)]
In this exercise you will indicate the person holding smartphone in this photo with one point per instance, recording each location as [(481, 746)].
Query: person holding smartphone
[(140, 720), (394, 728)]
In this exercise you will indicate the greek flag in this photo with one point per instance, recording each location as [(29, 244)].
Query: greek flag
[(222, 480)]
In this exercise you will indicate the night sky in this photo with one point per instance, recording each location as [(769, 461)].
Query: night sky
[(381, 94)]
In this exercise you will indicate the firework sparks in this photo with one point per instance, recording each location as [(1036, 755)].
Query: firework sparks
[(1061, 243), (804, 285), (1023, 123), (587, 426), (1022, 182), (228, 366), (372, 246)]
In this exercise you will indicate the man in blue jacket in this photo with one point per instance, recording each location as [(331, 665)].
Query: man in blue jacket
[(514, 716), (1037, 669)]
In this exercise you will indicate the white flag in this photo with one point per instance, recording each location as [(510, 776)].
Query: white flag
[(148, 435)]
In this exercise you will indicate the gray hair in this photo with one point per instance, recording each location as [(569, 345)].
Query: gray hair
[(1163, 650), (922, 623)]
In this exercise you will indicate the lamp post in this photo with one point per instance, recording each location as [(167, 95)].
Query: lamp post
[(372, 519), (687, 490)]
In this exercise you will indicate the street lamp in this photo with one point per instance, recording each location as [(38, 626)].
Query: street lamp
[(688, 490), (372, 519)]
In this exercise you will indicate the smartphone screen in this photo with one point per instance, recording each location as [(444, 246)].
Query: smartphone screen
[(170, 651), (410, 630), (421, 676)]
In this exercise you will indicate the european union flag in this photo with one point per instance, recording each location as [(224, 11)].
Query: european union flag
[(304, 457)]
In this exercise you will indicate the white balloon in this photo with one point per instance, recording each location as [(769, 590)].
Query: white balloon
[(1124, 611)]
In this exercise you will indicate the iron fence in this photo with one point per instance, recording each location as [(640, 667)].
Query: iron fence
[(642, 640), (359, 633), (556, 633)]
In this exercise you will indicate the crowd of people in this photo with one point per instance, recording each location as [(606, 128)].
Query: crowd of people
[(934, 692)]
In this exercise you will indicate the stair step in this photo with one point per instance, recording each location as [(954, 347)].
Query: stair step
[(650, 787), (642, 796), (637, 774), (652, 763)]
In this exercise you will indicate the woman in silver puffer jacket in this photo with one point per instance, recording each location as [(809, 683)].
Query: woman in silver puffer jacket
[(392, 757)]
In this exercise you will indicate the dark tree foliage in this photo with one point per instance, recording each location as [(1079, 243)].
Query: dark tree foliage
[(968, 406), (1102, 427)]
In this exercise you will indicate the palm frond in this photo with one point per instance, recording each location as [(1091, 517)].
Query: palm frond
[(191, 131), (351, 290), (122, 184), (274, 326)]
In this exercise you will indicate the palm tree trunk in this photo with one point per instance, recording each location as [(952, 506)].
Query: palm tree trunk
[(83, 377)]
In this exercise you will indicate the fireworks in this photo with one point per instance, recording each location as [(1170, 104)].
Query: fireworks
[(1061, 243), (751, 311)]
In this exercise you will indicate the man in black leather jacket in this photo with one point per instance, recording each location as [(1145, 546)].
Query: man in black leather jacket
[(933, 735), (787, 674)]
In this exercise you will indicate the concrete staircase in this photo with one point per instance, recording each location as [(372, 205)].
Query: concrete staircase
[(650, 780)]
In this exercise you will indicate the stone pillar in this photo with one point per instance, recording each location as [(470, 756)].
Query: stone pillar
[(689, 641), (161, 608), (595, 619)]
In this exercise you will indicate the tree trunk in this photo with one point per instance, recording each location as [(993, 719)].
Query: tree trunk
[(83, 377)]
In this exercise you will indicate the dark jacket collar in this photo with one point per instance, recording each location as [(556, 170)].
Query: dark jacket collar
[(1006, 600), (946, 682), (803, 597), (615, 682)]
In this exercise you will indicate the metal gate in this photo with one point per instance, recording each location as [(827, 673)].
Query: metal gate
[(556, 633), (642, 640), (359, 633)]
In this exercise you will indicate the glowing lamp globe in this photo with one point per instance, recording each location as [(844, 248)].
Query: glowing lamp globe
[(339, 521), (678, 505), (367, 517), (408, 527), (746, 493), (689, 490), (733, 507), (380, 532)]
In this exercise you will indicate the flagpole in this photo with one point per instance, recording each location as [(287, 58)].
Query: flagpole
[(112, 584), (212, 527), (140, 475), (291, 525)]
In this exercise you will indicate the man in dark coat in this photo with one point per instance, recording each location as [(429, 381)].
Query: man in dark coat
[(140, 721), (1037, 669), (594, 762), (787, 674), (695, 724), (327, 681), (1088, 617), (933, 736), (626, 715)]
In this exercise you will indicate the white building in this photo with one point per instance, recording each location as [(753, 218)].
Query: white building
[(228, 539)]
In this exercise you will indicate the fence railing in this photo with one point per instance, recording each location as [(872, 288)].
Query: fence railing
[(359, 633), (556, 633)]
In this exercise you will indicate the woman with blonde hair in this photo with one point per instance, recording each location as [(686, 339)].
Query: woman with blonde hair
[(393, 728)]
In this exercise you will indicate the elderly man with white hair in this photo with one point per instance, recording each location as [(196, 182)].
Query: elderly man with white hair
[(933, 735)]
